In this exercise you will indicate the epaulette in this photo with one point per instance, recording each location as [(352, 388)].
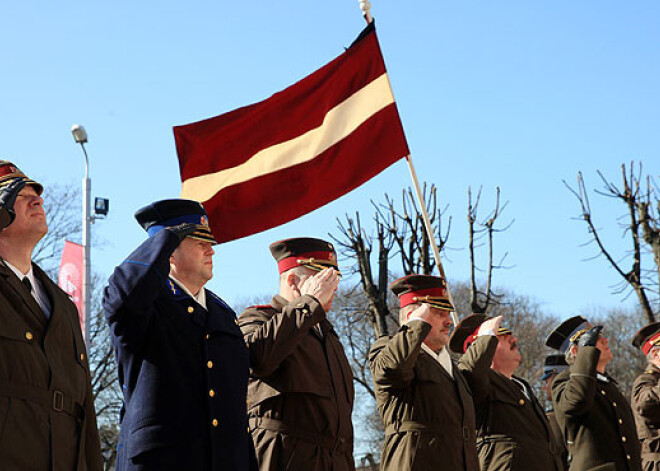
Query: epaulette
[(260, 306)]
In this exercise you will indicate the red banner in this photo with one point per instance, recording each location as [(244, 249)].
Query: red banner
[(268, 163), (71, 276)]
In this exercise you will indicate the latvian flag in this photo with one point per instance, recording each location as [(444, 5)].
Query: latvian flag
[(268, 163)]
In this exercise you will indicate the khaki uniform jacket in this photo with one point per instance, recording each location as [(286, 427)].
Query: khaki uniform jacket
[(646, 408), (597, 421), (558, 436), (428, 415), (47, 417), (300, 393), (512, 430)]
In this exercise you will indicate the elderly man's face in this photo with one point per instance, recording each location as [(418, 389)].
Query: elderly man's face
[(507, 355), (30, 222)]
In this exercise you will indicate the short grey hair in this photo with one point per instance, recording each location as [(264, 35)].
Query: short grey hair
[(570, 356)]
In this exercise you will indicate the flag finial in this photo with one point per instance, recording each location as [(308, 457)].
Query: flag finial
[(365, 6)]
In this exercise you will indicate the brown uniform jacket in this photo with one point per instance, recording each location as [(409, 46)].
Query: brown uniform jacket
[(512, 430), (300, 394), (646, 408), (597, 421), (558, 436), (47, 418), (428, 415)]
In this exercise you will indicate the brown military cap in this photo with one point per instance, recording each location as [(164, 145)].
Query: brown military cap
[(429, 289), (309, 252), (647, 337), (466, 331), (9, 172), (567, 333)]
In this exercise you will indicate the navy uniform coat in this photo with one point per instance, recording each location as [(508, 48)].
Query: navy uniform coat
[(183, 370)]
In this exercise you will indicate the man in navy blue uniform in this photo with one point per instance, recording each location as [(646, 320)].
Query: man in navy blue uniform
[(183, 364)]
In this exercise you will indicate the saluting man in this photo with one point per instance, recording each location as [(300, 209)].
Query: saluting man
[(596, 418), (47, 418), (423, 399), (646, 396), (301, 385), (183, 365), (512, 430)]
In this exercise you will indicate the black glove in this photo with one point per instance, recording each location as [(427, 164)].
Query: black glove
[(8, 196), (182, 230), (589, 338)]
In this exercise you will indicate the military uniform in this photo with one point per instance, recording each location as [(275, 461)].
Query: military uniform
[(646, 408), (512, 430), (646, 397), (428, 415), (301, 388), (47, 418), (596, 418), (183, 369)]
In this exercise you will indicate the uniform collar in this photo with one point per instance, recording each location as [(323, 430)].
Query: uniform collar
[(442, 357), (201, 296)]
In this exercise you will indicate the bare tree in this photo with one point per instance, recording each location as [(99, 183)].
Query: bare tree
[(639, 196)]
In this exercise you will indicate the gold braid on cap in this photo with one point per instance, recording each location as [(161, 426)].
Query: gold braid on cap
[(318, 265), (437, 301), (578, 334)]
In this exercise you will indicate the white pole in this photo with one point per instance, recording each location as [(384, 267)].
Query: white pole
[(365, 6), (429, 232), (87, 190)]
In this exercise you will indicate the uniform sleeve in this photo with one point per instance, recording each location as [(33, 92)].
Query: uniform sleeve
[(392, 361), (573, 393), (128, 299), (646, 398), (271, 340), (475, 366)]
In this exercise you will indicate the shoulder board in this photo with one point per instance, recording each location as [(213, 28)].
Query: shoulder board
[(260, 306)]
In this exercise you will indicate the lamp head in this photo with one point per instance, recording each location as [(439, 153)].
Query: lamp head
[(79, 134)]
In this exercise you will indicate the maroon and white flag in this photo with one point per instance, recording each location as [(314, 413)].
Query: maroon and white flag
[(268, 163), (71, 275)]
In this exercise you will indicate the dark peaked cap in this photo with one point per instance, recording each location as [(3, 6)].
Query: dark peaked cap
[(554, 364), (647, 337), (560, 338), (309, 252), (168, 213), (429, 289)]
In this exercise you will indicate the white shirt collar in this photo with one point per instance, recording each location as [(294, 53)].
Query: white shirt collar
[(37, 292), (442, 357), (201, 296)]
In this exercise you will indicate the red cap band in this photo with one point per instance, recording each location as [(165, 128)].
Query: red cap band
[(470, 338), (411, 297), (292, 262), (650, 343)]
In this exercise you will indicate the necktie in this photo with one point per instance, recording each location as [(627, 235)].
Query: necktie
[(28, 285)]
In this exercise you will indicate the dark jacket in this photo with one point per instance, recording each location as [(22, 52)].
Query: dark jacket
[(428, 415), (558, 436), (512, 430), (301, 388), (183, 370), (646, 408), (597, 421), (47, 418)]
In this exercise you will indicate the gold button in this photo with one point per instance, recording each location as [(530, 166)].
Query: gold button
[(209, 364), (628, 456), (299, 305), (247, 402), (614, 404), (521, 402), (248, 429), (207, 336), (623, 439), (214, 422), (191, 309), (236, 321), (305, 311), (28, 335), (211, 392), (82, 357), (620, 421), (603, 392)]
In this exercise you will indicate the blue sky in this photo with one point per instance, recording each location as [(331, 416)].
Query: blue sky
[(519, 95)]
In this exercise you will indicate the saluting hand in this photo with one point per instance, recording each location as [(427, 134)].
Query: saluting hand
[(322, 286), (8, 196), (590, 338), (423, 312), (491, 325), (182, 230)]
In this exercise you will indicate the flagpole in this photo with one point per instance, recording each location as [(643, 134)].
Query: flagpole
[(429, 232)]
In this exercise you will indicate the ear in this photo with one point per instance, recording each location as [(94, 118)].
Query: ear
[(574, 349), (292, 280)]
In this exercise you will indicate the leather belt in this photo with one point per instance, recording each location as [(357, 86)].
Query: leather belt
[(462, 432), (337, 445), (49, 399)]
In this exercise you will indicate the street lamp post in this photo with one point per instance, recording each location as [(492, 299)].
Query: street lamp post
[(80, 136)]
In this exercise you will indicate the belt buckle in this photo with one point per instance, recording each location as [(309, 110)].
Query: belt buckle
[(58, 401)]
